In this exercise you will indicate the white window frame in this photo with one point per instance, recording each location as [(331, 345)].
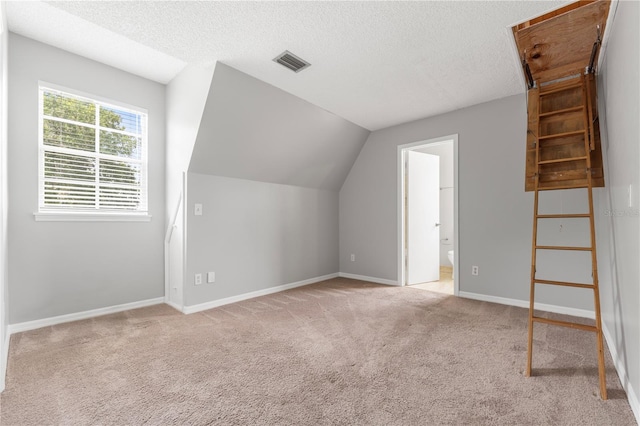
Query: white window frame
[(86, 215)]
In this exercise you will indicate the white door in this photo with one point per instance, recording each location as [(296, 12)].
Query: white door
[(423, 217)]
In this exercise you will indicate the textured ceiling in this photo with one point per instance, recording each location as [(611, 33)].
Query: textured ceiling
[(376, 64)]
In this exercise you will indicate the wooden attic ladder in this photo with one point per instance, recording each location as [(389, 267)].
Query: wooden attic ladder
[(563, 137), (552, 133)]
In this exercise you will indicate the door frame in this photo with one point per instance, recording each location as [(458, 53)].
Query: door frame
[(401, 216)]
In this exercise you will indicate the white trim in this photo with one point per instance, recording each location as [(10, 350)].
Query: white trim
[(233, 299), (584, 313), (46, 322), (167, 257), (174, 305), (92, 97), (369, 279), (618, 363), (91, 217), (400, 208), (96, 155)]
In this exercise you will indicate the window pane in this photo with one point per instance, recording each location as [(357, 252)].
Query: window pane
[(75, 175), (70, 136), (69, 194), (113, 118), (119, 172), (71, 167), (57, 105), (119, 198), (121, 145)]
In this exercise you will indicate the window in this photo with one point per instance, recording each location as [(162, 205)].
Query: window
[(93, 156)]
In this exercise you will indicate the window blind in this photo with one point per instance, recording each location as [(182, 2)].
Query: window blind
[(93, 155)]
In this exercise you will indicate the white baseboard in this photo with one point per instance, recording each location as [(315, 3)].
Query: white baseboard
[(370, 279), (45, 322), (584, 313), (233, 299), (632, 395), (174, 305)]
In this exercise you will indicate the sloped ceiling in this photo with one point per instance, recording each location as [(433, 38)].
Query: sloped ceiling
[(252, 130)]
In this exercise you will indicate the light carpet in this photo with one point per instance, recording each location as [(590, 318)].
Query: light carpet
[(341, 352)]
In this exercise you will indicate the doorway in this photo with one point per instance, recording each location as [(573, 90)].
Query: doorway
[(428, 214)]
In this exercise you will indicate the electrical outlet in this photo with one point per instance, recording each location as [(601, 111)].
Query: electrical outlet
[(353, 257), (198, 279), (211, 277), (474, 270)]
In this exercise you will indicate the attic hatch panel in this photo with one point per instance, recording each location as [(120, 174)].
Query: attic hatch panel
[(559, 43)]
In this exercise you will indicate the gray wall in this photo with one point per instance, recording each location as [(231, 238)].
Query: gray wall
[(495, 213), (267, 167), (618, 222), (252, 130), (256, 235), (65, 267)]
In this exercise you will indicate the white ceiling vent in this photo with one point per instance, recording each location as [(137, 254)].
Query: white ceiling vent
[(291, 61)]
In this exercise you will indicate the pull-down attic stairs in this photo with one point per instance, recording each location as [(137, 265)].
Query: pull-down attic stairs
[(559, 53)]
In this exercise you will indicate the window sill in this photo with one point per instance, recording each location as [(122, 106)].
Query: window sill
[(91, 217)]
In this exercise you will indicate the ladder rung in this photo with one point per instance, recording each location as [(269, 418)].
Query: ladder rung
[(562, 135), (563, 248), (563, 283), (565, 324), (562, 160), (562, 111), (562, 216), (575, 186), (561, 89)]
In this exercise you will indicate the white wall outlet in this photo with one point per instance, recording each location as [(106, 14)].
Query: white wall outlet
[(474, 270), (198, 279), (211, 277), (353, 257), (198, 210)]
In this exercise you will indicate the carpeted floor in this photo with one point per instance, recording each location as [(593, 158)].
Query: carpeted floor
[(341, 352)]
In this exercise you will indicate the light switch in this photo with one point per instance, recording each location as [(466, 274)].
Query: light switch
[(198, 210), (211, 277)]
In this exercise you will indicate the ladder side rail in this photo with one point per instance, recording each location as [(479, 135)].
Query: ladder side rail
[(594, 258), (590, 119), (534, 241)]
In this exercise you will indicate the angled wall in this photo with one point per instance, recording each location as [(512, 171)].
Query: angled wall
[(186, 98), (252, 130), (266, 168)]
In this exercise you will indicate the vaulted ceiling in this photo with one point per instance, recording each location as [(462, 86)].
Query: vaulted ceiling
[(375, 64)]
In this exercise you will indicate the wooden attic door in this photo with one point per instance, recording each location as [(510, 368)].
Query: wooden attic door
[(557, 49)]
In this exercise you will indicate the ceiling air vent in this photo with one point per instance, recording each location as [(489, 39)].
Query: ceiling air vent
[(291, 61)]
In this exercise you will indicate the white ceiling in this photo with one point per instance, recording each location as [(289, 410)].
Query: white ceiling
[(376, 64)]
